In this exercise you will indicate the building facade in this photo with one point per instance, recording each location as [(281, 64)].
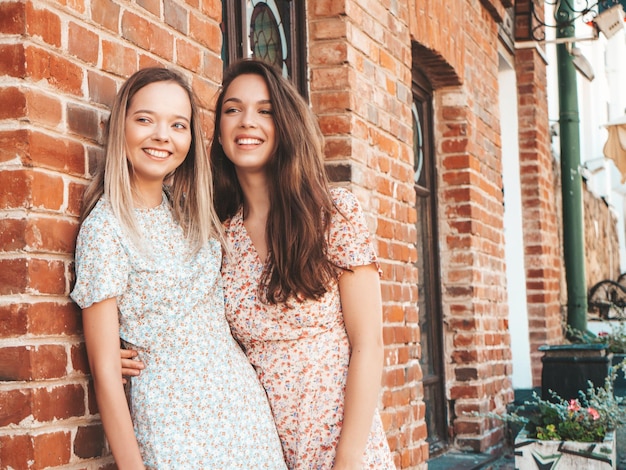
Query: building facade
[(457, 186)]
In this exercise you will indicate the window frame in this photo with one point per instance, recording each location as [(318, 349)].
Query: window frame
[(234, 26)]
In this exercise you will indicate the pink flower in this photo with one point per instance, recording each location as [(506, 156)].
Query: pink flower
[(603, 334), (574, 406), (594, 414)]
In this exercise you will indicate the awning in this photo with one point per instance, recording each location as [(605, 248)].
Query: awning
[(615, 147)]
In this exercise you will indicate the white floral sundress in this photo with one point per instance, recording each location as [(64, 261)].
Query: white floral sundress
[(198, 404)]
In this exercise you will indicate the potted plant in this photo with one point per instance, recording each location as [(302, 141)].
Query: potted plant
[(568, 433), (614, 339)]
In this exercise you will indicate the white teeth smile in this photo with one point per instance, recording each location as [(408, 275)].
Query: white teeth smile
[(249, 141), (157, 153)]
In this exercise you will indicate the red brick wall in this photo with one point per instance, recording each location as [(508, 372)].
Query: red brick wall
[(540, 190), (438, 27), (60, 66), (456, 45)]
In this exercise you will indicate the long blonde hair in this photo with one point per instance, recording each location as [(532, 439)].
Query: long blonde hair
[(191, 188)]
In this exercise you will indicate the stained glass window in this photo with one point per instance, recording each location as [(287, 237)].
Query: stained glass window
[(273, 30), (267, 34)]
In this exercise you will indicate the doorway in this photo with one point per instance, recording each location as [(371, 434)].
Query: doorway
[(429, 281)]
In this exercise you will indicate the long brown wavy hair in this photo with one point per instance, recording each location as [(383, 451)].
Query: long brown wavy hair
[(191, 187), (300, 201)]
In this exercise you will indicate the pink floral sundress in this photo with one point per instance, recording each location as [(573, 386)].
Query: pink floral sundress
[(301, 354)]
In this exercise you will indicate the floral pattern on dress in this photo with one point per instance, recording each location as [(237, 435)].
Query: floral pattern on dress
[(198, 404), (301, 353)]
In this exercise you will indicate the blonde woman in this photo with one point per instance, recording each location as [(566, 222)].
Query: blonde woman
[(301, 279), (148, 270)]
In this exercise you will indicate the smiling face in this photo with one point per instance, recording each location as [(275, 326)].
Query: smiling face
[(157, 131), (247, 130)]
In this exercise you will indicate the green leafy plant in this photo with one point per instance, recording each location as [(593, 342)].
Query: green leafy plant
[(586, 419), (615, 340)]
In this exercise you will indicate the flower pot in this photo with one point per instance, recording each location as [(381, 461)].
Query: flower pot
[(534, 454), (569, 368)]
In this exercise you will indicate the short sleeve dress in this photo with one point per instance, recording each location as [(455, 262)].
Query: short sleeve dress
[(301, 354), (198, 404)]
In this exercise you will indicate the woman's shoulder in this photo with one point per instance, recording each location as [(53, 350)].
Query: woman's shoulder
[(98, 211), (100, 218), (339, 192), (343, 197), (349, 239), (345, 203)]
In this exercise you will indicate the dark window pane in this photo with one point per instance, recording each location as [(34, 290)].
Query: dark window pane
[(267, 39), (428, 277), (272, 30)]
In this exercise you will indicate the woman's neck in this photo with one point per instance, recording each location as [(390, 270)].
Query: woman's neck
[(256, 208), (148, 197), (256, 198)]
